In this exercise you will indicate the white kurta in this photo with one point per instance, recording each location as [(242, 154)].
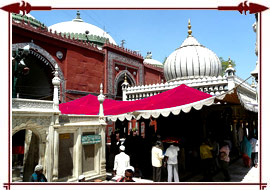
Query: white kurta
[(157, 157), (121, 162), (172, 153)]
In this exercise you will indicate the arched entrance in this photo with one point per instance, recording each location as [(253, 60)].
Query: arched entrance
[(37, 83), (25, 154), (119, 79)]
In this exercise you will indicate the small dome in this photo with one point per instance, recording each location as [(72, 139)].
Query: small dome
[(148, 60), (79, 28), (191, 60)]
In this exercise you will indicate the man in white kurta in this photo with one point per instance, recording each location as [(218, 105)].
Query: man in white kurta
[(121, 162), (172, 163), (157, 161)]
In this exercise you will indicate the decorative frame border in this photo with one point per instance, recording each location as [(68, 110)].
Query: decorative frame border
[(25, 7)]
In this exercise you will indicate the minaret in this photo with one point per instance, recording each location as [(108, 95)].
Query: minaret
[(253, 84), (230, 73)]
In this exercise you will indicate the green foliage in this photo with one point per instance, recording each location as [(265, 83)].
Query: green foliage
[(225, 64), (164, 60)]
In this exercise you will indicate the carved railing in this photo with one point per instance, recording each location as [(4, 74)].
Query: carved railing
[(211, 85), (19, 104), (64, 119)]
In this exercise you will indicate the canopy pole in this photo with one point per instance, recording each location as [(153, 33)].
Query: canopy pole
[(101, 99)]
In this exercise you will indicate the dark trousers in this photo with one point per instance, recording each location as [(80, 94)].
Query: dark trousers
[(156, 174), (254, 158), (225, 170), (207, 167)]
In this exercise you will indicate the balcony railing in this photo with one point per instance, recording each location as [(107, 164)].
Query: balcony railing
[(19, 104)]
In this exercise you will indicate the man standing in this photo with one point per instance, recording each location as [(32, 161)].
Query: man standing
[(207, 160), (254, 153), (157, 161), (172, 162), (224, 160), (121, 162), (38, 175)]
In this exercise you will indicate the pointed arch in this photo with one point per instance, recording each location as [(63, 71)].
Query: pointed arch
[(120, 76), (46, 58)]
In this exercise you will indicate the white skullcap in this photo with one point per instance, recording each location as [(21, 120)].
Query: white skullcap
[(81, 177), (130, 168), (122, 139), (122, 148), (38, 168)]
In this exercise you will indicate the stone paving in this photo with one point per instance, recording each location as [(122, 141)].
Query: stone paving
[(238, 172)]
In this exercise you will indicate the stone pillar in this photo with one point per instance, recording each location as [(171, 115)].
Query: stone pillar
[(27, 142), (78, 154), (56, 156), (102, 150), (56, 84), (101, 99), (42, 146), (49, 161), (102, 145)]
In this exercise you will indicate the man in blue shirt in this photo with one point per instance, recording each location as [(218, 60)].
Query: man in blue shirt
[(38, 175)]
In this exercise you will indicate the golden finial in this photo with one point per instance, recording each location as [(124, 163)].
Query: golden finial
[(189, 28), (78, 15), (125, 78), (230, 63)]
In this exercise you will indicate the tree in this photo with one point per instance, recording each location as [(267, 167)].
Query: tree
[(225, 64), (164, 60)]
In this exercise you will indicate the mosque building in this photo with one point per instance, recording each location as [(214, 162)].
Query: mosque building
[(235, 109), (64, 62), (69, 60)]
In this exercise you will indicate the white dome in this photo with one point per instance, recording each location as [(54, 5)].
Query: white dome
[(148, 60), (191, 60), (78, 26), (153, 62)]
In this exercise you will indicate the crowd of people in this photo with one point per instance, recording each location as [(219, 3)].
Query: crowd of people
[(214, 156), (129, 162)]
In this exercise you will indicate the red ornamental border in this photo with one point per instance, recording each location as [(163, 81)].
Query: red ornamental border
[(25, 8)]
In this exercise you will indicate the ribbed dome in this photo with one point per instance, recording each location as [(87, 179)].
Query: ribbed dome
[(191, 60), (148, 60), (78, 26)]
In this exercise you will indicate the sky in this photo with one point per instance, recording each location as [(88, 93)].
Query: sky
[(227, 33)]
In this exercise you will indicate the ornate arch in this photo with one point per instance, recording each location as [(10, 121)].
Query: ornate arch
[(120, 74), (37, 125), (25, 126), (46, 58)]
